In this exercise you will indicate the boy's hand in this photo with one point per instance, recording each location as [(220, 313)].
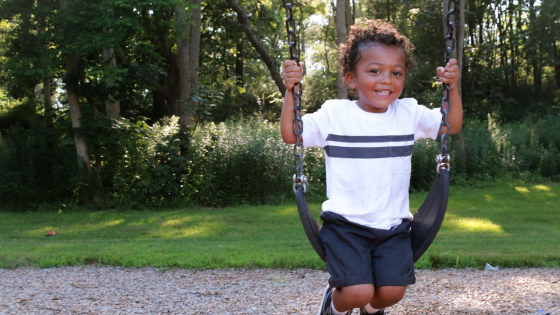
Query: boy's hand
[(292, 73), (449, 74)]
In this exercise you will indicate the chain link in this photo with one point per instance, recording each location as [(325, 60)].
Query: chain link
[(449, 42), (299, 178)]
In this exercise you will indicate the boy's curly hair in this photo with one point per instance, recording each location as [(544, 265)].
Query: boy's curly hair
[(376, 32)]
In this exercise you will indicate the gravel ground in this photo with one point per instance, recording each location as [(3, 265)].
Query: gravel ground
[(111, 290)]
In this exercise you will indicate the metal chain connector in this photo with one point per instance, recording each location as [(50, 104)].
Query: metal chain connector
[(299, 178), (449, 42)]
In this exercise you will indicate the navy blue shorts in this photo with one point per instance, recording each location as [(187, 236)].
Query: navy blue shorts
[(357, 254)]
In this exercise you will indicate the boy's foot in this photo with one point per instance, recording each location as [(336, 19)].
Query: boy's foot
[(363, 312), (326, 303)]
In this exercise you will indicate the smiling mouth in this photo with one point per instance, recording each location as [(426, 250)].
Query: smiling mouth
[(383, 93)]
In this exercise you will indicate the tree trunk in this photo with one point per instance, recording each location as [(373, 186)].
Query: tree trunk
[(353, 12), (195, 24), (182, 39), (188, 50), (341, 34), (112, 106), (243, 20), (72, 82), (47, 92), (75, 111), (534, 48), (348, 13)]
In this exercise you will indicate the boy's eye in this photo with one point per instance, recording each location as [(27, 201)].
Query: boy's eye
[(374, 71), (398, 73)]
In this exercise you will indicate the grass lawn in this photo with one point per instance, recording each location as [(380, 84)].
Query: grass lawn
[(505, 224)]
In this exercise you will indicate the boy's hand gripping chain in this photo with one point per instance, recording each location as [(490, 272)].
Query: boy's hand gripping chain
[(449, 42), (299, 178)]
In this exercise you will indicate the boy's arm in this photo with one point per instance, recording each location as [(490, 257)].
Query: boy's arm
[(292, 74), (455, 116), (450, 75), (287, 118)]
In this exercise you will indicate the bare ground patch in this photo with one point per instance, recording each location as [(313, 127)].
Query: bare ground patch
[(112, 290)]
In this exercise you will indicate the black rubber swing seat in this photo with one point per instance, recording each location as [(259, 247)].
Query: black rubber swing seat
[(311, 227), (425, 224)]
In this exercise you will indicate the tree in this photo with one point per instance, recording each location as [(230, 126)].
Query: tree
[(71, 85), (341, 35), (243, 20), (188, 51), (112, 106)]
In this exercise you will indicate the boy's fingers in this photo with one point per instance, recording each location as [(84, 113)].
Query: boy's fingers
[(451, 62), (289, 63)]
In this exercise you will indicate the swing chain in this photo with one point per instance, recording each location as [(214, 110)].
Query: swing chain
[(299, 179), (449, 42)]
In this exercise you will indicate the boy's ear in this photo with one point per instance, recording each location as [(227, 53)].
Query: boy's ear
[(350, 79)]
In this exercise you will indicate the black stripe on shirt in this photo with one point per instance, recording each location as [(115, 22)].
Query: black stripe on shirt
[(368, 153)]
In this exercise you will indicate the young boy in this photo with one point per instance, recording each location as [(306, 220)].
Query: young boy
[(368, 147)]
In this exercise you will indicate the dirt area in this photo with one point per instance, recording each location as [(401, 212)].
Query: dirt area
[(111, 290)]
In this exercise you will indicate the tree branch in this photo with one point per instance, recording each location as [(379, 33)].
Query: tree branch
[(243, 20)]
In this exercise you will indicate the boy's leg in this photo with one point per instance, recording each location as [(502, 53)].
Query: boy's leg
[(393, 268), (355, 266), (327, 306), (383, 297), (348, 298), (387, 296), (357, 296)]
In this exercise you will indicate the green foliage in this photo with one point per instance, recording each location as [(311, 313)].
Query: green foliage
[(528, 148), (423, 164), (37, 167), (238, 162), (140, 163), (12, 112), (481, 158)]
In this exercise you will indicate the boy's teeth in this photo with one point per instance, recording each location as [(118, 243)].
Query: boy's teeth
[(383, 92)]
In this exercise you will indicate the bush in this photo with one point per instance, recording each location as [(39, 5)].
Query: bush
[(236, 162), (528, 149), (240, 162), (37, 166), (481, 161)]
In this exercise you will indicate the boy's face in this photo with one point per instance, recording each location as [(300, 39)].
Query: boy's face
[(378, 77)]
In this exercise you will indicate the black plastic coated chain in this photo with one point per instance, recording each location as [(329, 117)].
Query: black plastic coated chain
[(443, 158), (299, 178)]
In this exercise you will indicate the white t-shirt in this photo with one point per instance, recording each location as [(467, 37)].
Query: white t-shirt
[(368, 157)]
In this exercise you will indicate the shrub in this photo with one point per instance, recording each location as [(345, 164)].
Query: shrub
[(236, 162), (37, 166)]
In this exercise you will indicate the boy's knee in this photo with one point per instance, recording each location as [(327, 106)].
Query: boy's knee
[(387, 296), (357, 295)]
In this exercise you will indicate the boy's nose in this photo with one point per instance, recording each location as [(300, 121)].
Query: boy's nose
[(386, 78)]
